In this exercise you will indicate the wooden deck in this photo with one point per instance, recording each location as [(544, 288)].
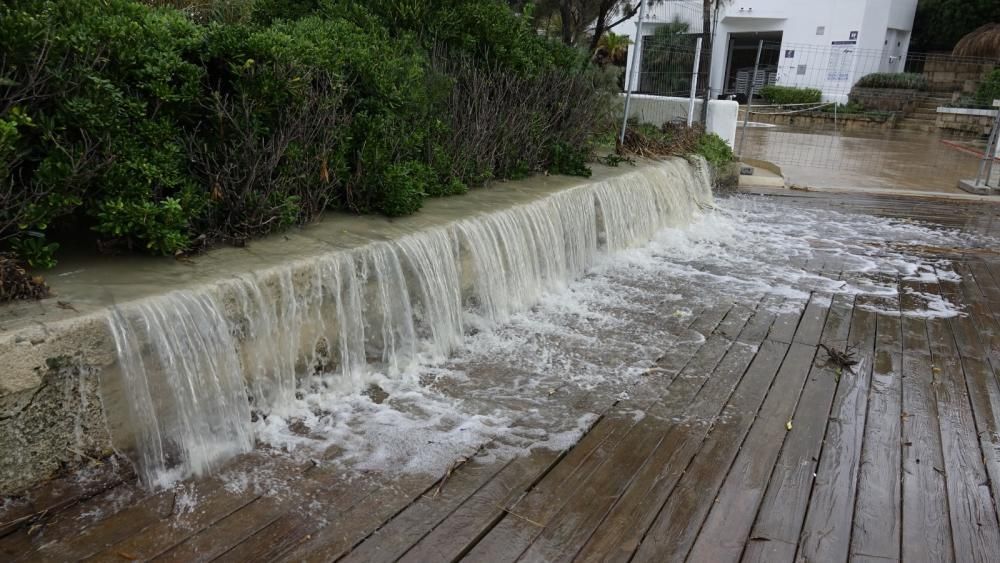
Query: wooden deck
[(753, 447)]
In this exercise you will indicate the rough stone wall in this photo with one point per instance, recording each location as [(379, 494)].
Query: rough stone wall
[(945, 74), (825, 121), (58, 425), (972, 125), (886, 99)]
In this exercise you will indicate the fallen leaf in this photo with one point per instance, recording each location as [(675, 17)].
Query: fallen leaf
[(788, 425)]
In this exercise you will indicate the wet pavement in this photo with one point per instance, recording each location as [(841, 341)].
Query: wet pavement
[(676, 403), (893, 160)]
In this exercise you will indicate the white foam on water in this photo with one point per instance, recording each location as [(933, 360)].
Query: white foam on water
[(506, 329)]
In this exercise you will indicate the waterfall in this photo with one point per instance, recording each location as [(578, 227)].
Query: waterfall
[(196, 365)]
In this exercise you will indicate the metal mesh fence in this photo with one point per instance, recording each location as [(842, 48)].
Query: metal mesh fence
[(902, 120)]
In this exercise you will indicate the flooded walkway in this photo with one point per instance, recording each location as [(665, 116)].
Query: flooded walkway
[(676, 404), (891, 160)]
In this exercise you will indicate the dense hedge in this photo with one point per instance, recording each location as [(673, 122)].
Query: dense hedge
[(900, 80), (790, 95), (165, 130), (989, 89)]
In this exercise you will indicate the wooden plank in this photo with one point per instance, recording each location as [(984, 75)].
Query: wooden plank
[(826, 532), (209, 506), (625, 525), (974, 525), (779, 519), (66, 523), (977, 336), (878, 511), (227, 533), (111, 530), (339, 535), (926, 534), (508, 539), (727, 528), (677, 525), (634, 467), (454, 536)]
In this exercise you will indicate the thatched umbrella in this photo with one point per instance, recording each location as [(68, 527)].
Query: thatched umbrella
[(981, 43)]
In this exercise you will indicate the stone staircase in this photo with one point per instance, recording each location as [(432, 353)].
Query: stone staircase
[(924, 117)]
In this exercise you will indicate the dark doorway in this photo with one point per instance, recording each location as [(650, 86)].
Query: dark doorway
[(740, 58)]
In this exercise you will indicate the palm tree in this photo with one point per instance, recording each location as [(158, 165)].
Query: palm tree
[(613, 48)]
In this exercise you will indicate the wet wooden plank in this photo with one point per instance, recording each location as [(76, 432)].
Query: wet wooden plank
[(760, 323), (513, 534), (397, 536), (68, 522), (455, 535), (826, 532), (878, 511), (227, 533), (56, 495), (728, 525), (111, 530), (343, 532), (635, 467), (926, 533), (621, 532), (974, 525), (977, 336), (986, 281), (272, 540), (775, 532), (676, 527), (194, 511)]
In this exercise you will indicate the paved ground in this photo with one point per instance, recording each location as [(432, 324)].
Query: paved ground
[(741, 442), (892, 159)]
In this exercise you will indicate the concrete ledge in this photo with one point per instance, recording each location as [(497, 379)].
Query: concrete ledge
[(968, 111), (979, 189), (54, 396)]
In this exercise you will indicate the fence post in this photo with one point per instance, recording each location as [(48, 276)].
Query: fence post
[(753, 82), (989, 155), (694, 81), (636, 55)]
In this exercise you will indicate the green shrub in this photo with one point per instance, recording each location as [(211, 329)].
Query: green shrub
[(901, 80), (715, 150), (989, 89), (790, 95), (105, 90), (162, 125)]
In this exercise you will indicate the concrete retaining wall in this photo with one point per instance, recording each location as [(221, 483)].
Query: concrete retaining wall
[(58, 355), (664, 109), (974, 122)]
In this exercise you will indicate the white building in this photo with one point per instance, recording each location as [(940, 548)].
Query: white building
[(823, 44)]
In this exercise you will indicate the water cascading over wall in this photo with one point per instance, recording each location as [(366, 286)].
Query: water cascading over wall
[(194, 365)]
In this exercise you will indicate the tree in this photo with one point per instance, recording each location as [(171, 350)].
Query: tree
[(939, 24), (613, 48), (667, 57), (584, 20)]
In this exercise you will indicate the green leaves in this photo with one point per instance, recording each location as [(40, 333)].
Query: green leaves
[(790, 95)]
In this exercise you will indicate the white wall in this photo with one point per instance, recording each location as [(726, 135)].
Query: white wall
[(722, 114)]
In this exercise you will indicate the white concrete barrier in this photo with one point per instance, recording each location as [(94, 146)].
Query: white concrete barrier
[(722, 114)]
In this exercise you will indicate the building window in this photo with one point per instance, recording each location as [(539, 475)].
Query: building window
[(801, 70), (821, 30)]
